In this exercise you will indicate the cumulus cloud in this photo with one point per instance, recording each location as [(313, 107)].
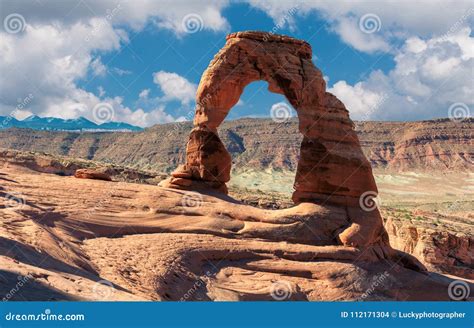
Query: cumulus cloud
[(50, 72), (147, 118), (361, 102), (398, 19), (49, 69), (136, 14), (175, 87), (348, 30), (63, 41), (144, 94), (429, 76), (60, 43)]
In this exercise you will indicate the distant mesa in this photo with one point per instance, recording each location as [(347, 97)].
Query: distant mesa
[(58, 124)]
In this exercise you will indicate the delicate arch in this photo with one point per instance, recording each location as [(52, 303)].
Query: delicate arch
[(332, 167), (332, 170)]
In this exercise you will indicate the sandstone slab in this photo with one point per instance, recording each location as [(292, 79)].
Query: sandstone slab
[(92, 174)]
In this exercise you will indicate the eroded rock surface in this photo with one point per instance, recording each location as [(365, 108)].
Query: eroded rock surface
[(448, 252), (332, 168), (98, 174), (82, 239)]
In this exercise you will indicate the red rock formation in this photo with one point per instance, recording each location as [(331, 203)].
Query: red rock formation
[(332, 168), (92, 174), (157, 244)]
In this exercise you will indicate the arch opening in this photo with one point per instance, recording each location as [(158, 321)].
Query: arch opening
[(264, 151)]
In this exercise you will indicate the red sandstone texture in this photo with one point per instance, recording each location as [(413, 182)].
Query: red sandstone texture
[(85, 239), (158, 243), (332, 168), (92, 174)]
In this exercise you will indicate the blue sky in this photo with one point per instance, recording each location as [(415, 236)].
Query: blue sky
[(139, 59), (153, 50)]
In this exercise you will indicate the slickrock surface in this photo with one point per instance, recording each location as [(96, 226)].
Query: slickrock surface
[(62, 165), (68, 238)]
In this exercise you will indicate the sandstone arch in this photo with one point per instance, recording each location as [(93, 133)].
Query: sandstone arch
[(332, 169)]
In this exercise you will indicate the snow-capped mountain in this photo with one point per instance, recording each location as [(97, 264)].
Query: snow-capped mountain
[(57, 124)]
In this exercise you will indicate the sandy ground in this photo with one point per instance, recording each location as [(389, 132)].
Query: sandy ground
[(447, 192)]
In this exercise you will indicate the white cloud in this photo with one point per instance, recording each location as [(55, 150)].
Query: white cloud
[(120, 71), (428, 77), (193, 18), (21, 114), (144, 94), (62, 42), (175, 87), (101, 91), (48, 60), (349, 32), (399, 19), (98, 68), (135, 14), (361, 103), (50, 72), (68, 108), (147, 118)]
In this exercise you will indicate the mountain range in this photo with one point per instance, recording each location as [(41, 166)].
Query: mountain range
[(57, 124), (260, 144)]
